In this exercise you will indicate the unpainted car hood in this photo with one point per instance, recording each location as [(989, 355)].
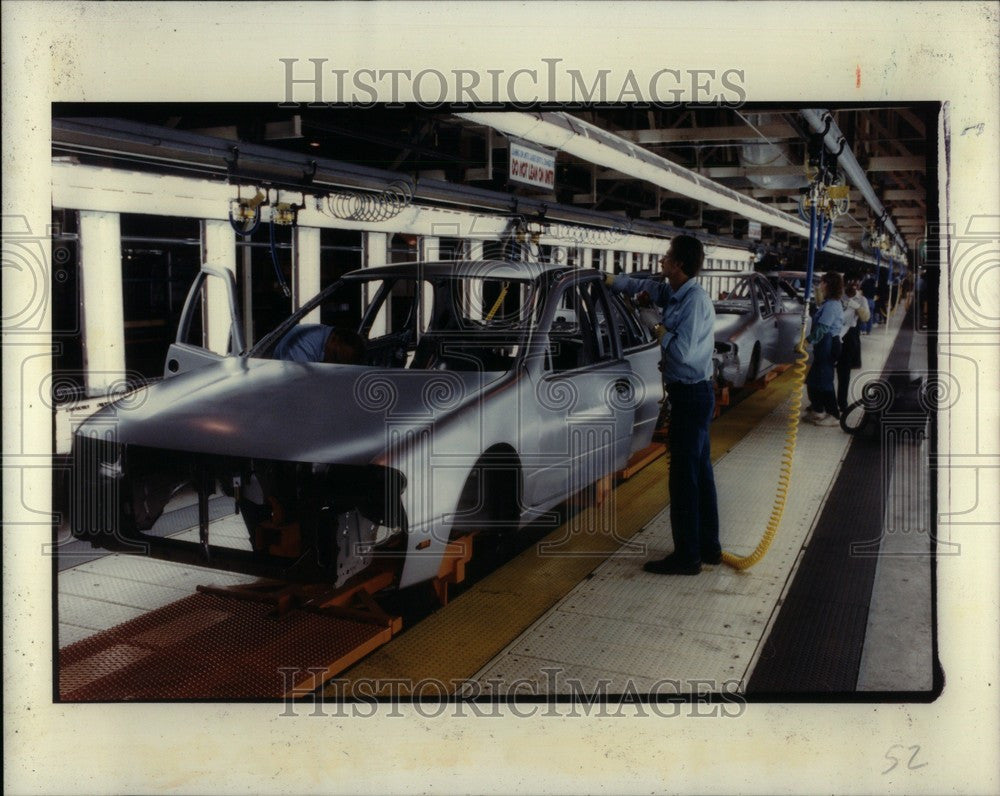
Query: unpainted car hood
[(289, 411)]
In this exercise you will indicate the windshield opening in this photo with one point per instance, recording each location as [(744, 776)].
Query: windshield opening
[(445, 322)]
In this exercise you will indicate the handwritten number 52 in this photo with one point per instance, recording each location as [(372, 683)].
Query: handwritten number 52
[(911, 764)]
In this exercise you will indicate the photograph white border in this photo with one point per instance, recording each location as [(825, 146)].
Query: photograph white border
[(788, 52)]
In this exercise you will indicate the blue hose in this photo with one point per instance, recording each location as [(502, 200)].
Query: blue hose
[(238, 228), (826, 234), (274, 261), (811, 258)]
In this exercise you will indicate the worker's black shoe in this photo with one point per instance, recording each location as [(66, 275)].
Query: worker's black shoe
[(711, 559), (671, 566)]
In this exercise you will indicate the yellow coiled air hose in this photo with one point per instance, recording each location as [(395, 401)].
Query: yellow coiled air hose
[(785, 474)]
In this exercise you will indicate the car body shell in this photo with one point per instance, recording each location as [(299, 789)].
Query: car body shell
[(756, 329), (505, 420)]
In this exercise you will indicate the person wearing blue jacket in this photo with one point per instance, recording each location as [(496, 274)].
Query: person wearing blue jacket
[(314, 342), (687, 341), (825, 339)]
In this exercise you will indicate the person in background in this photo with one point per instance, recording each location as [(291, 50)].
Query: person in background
[(687, 341), (882, 302), (856, 313), (825, 339), (922, 304), (868, 290), (315, 342)]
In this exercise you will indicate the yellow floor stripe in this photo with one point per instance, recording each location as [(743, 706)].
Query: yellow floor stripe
[(458, 640)]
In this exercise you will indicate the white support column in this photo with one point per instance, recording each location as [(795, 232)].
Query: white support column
[(376, 245), (306, 274), (475, 250), (376, 248), (429, 250), (102, 300), (219, 251)]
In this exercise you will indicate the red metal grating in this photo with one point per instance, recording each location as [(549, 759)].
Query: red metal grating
[(211, 647)]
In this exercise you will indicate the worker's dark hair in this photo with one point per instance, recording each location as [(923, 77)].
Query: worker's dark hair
[(689, 253), (834, 285), (344, 347)]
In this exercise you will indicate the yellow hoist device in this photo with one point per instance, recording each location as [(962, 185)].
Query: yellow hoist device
[(828, 197)]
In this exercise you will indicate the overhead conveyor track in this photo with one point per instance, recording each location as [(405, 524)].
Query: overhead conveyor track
[(176, 150)]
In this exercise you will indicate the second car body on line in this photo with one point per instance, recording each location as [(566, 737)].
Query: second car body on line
[(755, 329)]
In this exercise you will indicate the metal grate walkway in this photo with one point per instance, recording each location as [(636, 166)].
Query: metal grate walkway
[(210, 647)]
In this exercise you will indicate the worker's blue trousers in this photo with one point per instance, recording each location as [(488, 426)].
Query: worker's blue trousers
[(694, 511)]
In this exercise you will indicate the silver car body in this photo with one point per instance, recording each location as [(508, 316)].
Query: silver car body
[(755, 330), (491, 392), (790, 286)]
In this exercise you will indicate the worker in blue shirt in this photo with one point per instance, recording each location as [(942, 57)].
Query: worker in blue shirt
[(315, 342), (825, 338), (687, 339)]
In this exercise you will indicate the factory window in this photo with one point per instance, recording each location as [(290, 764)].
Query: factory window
[(161, 257), (617, 263), (340, 251), (67, 332), (403, 248), (504, 250), (453, 249), (263, 303)]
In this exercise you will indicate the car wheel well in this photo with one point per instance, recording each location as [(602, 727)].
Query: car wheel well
[(491, 497)]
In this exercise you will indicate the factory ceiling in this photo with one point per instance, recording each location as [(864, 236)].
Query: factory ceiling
[(757, 150)]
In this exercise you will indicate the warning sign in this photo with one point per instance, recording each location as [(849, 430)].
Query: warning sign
[(532, 166)]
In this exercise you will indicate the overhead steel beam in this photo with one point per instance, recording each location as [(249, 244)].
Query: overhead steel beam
[(152, 145), (897, 163), (566, 133), (915, 122), (717, 172), (671, 135), (904, 194)]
